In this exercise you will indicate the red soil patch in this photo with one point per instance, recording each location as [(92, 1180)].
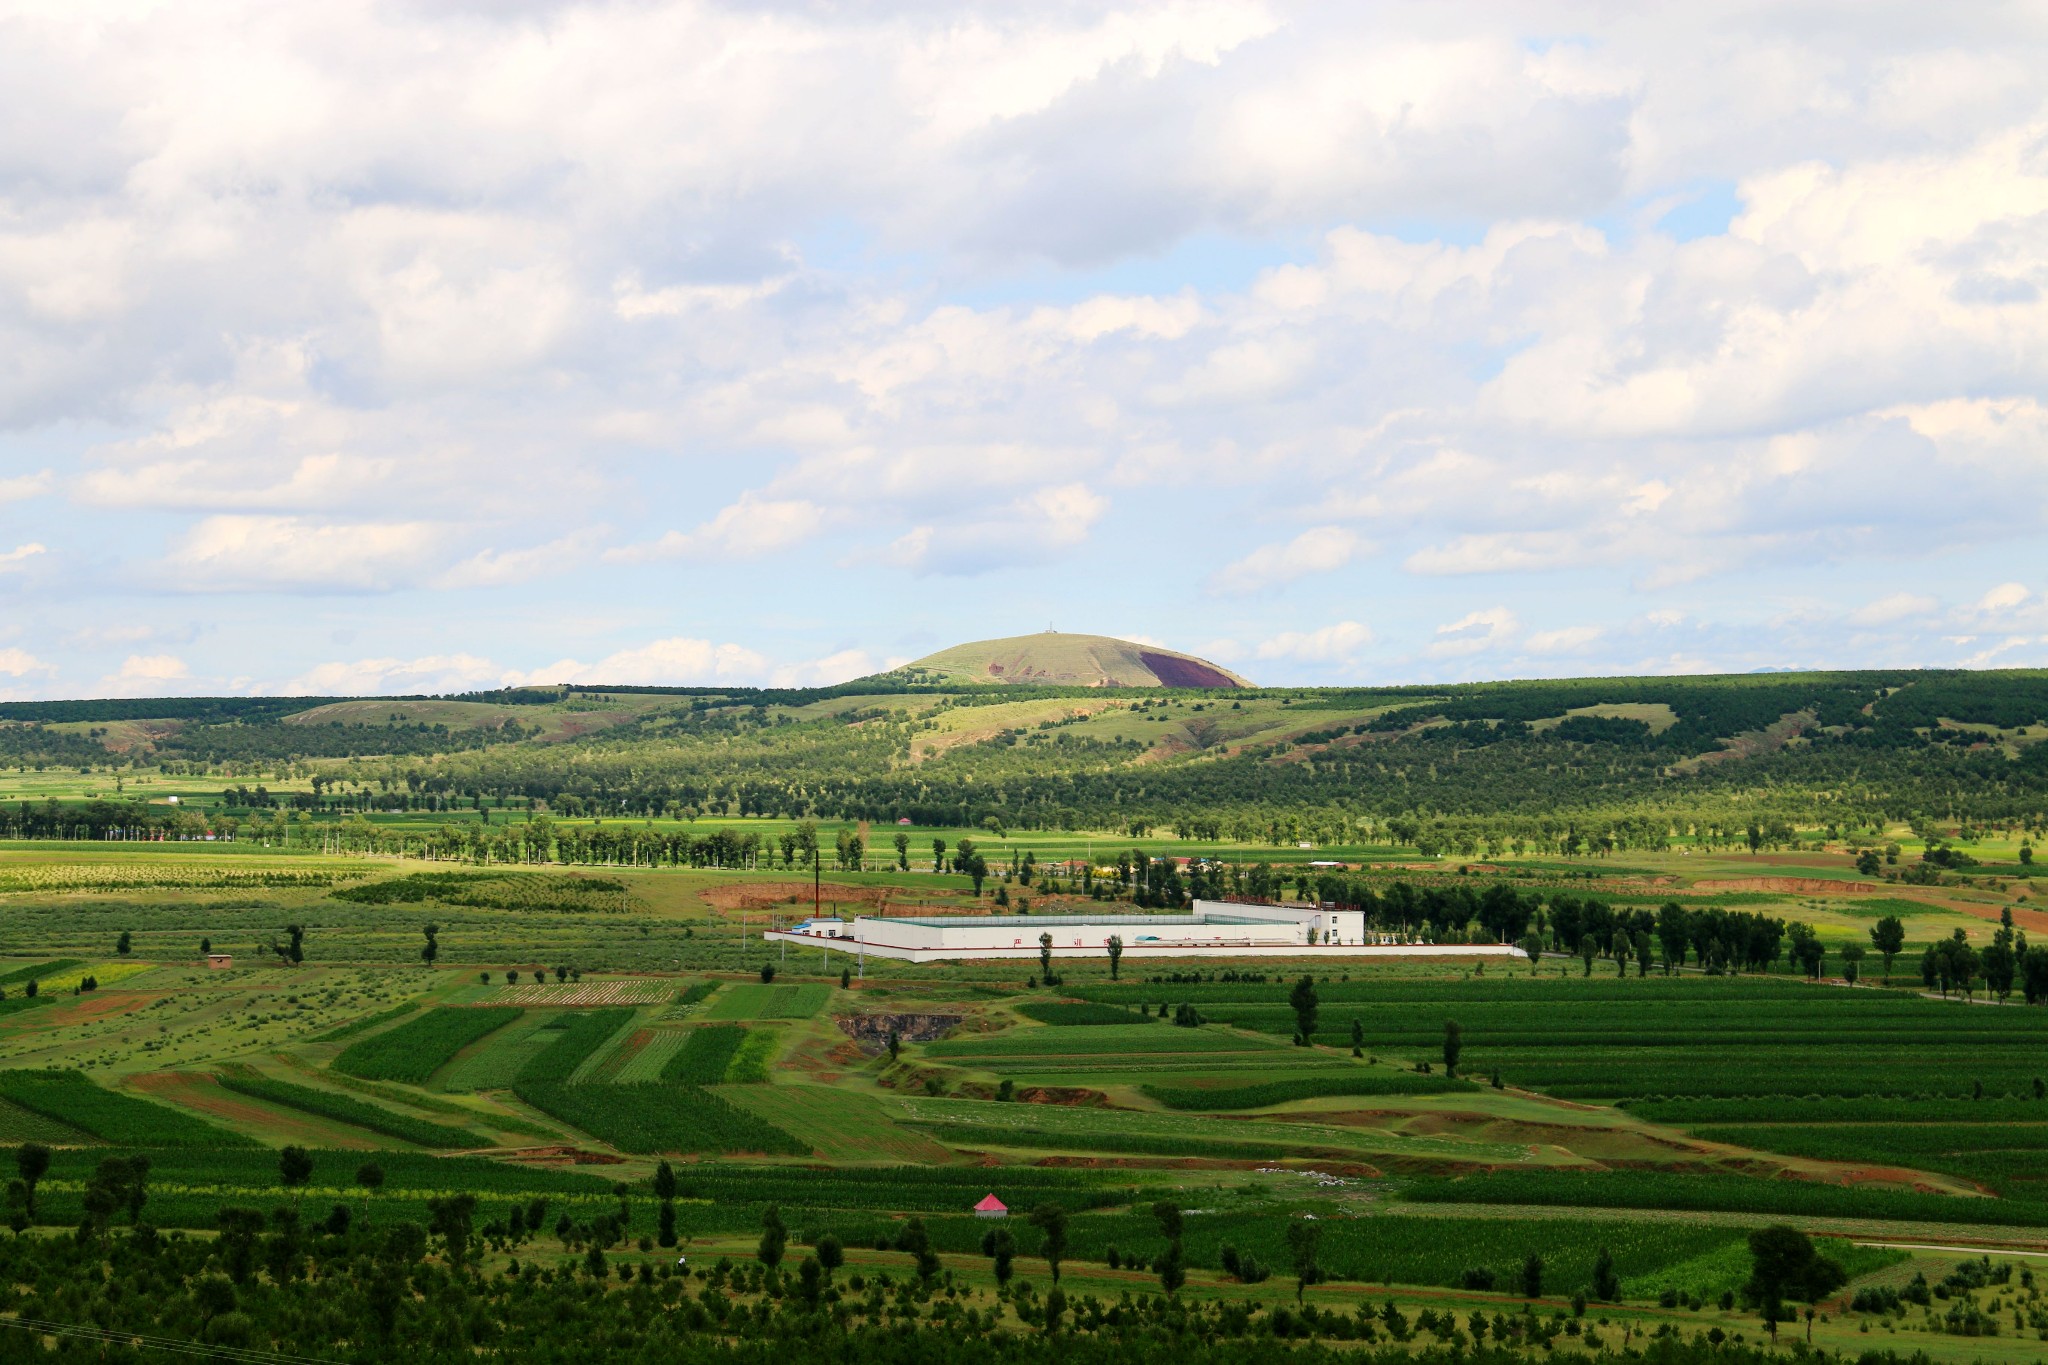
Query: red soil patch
[(94, 1005), (189, 1090), (767, 895), (1804, 886), (1177, 672), (562, 1156)]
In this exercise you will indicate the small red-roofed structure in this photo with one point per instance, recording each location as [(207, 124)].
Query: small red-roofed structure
[(991, 1207)]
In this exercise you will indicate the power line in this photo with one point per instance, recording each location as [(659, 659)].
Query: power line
[(175, 1345)]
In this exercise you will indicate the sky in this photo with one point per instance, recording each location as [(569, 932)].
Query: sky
[(424, 347)]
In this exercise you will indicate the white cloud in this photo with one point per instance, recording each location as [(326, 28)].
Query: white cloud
[(19, 663), (746, 529), (399, 299), (2004, 597), (1321, 549), (837, 667), (1030, 530), (1331, 644), (26, 486), (1899, 606), (1474, 633), (677, 661), (147, 675), (1566, 640), (17, 558), (497, 568), (433, 673), (299, 554)]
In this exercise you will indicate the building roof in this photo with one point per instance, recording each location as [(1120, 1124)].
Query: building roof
[(991, 1205), (1071, 921)]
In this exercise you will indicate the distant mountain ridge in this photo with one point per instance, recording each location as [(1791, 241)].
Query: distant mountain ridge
[(1054, 659)]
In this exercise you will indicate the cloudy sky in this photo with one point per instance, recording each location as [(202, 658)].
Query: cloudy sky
[(429, 346)]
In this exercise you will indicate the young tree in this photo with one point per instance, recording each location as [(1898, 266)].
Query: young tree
[(1784, 1265), (1852, 962), (665, 1191), (432, 948), (1303, 1239), (1532, 948), (1357, 1037), (1454, 1045), (1888, 936), (294, 1167), (124, 944), (32, 1160), (846, 978), (1051, 1222), (369, 1179), (1588, 950), (452, 1219), (206, 947), (1116, 954), (902, 851), (767, 972), (1045, 957), (774, 1238), (1606, 1284), (1001, 1249), (1532, 1277), (938, 855), (1304, 1001)]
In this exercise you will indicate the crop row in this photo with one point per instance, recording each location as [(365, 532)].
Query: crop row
[(1624, 1073), (1360, 1081), (364, 1024), (152, 875), (706, 1055), (1720, 1194), (659, 1117), (751, 1001), (1893, 1107), (1070, 1013), (649, 1060), (1082, 1126), (2013, 1157), (583, 994), (345, 1109), (577, 1039), (70, 1097), (416, 1049), (35, 971), (1502, 987), (531, 892), (1097, 1040), (1148, 1144)]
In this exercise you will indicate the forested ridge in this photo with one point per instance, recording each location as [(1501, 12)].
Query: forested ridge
[(1534, 759)]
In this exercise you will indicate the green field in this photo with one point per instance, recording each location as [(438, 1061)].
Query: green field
[(1651, 1118)]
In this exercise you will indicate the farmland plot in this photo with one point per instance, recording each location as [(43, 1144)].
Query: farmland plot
[(1086, 1129), (580, 994), (840, 1125), (752, 1001), (650, 1060), (72, 1099), (416, 1049)]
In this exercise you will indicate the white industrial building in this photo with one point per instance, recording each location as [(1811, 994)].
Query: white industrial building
[(1210, 929)]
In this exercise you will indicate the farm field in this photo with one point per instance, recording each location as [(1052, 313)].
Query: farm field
[(1645, 1123)]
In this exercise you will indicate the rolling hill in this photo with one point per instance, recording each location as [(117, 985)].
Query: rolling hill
[(1055, 659)]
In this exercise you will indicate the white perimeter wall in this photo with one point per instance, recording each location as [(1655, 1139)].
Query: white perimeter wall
[(1137, 951)]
